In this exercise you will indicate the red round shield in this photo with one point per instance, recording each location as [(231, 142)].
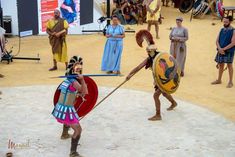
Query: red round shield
[(83, 107)]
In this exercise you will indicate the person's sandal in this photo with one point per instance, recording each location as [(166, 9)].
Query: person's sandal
[(173, 105), (216, 82), (117, 72), (53, 68), (155, 118), (109, 72), (230, 85)]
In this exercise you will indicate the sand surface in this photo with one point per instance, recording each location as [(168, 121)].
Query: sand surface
[(195, 86), (116, 128)]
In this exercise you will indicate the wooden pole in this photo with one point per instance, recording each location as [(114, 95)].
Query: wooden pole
[(120, 85)]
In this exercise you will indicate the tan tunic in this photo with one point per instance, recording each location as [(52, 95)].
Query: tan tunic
[(59, 45)]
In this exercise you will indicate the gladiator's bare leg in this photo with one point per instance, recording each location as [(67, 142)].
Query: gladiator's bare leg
[(65, 133), (171, 99), (157, 116), (75, 139)]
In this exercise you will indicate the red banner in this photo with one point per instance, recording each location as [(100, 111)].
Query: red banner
[(47, 11), (69, 11), (48, 5), (44, 18)]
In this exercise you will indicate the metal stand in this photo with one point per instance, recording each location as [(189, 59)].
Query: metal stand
[(9, 58)]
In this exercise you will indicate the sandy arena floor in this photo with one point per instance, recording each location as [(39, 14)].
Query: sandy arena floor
[(195, 86), (116, 128), (201, 126)]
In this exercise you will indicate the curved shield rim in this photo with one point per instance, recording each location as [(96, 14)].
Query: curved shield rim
[(78, 100), (157, 80)]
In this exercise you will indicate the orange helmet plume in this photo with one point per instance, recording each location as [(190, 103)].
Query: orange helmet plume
[(144, 34)]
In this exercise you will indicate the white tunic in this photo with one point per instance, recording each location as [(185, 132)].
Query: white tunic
[(2, 41)]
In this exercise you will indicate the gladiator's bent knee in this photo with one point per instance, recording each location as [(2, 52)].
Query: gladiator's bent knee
[(156, 94), (65, 133), (79, 129), (165, 95)]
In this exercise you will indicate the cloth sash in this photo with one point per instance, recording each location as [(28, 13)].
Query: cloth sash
[(57, 43)]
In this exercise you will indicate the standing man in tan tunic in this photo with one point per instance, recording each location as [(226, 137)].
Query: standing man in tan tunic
[(2, 45), (57, 29)]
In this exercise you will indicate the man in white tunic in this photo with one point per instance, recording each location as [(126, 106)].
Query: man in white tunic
[(2, 44)]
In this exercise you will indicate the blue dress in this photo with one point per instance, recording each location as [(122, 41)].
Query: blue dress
[(225, 38), (69, 17), (113, 49)]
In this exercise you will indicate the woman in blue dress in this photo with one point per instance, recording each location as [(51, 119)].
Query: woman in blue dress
[(113, 48)]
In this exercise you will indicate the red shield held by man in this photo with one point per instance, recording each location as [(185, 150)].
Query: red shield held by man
[(83, 105)]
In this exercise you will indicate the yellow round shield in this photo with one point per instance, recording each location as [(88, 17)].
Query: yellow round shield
[(166, 73)]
